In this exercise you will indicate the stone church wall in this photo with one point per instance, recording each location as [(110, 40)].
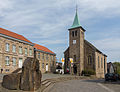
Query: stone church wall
[(89, 57)]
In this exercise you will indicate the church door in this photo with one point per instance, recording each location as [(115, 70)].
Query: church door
[(75, 69)]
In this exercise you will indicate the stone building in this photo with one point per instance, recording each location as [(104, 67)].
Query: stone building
[(46, 57), (14, 49), (85, 56), (111, 68)]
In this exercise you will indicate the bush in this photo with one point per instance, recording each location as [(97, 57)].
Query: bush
[(117, 64), (88, 72)]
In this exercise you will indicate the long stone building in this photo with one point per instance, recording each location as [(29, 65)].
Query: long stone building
[(85, 56), (14, 49), (46, 57)]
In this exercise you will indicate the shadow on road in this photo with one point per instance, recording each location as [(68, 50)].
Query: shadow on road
[(103, 81)]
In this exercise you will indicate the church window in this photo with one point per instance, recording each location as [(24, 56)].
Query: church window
[(72, 33), (76, 33), (98, 62), (101, 63), (89, 60)]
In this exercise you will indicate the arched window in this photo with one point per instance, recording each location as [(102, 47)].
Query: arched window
[(76, 33), (72, 33)]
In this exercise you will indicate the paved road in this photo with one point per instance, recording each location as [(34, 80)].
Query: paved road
[(77, 85), (84, 86)]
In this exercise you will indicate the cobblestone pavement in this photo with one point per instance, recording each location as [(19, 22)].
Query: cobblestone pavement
[(50, 75), (84, 86), (45, 76)]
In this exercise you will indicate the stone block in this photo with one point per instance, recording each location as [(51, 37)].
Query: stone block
[(11, 81), (31, 75)]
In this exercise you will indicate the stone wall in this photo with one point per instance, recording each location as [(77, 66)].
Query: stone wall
[(67, 61), (77, 49), (89, 52), (99, 64)]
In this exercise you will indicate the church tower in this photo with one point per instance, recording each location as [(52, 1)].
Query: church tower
[(76, 46)]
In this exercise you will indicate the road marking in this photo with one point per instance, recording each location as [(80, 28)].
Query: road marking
[(109, 90)]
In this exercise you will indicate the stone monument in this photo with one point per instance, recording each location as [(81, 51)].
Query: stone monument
[(28, 80)]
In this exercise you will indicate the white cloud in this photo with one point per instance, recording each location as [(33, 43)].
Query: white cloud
[(46, 21), (110, 46)]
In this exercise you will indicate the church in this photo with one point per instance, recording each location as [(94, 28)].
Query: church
[(85, 56)]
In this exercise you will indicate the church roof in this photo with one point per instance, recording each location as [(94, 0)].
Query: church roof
[(94, 47), (76, 22)]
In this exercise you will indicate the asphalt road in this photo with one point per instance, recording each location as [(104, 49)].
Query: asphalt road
[(85, 86)]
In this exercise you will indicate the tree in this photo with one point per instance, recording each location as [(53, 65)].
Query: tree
[(117, 65)]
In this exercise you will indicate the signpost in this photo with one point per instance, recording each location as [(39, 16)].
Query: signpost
[(71, 60)]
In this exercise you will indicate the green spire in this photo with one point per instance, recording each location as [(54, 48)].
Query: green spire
[(76, 22)]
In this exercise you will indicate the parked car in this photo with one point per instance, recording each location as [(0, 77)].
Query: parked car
[(117, 75), (59, 70), (111, 76)]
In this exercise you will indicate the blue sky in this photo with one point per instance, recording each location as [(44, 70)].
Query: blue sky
[(46, 22)]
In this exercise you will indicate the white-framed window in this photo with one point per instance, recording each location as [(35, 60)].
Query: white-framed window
[(39, 55), (13, 48), (26, 51), (20, 50), (7, 47), (14, 61), (7, 60), (30, 52)]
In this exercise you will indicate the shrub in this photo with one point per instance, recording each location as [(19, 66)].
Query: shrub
[(88, 72)]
